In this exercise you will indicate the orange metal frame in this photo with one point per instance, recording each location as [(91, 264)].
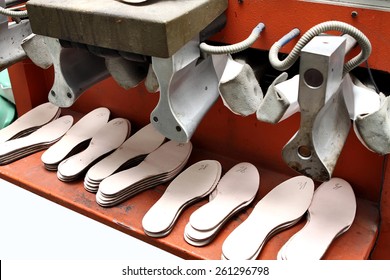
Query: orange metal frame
[(246, 139)]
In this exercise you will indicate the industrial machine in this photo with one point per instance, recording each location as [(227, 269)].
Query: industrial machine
[(229, 76)]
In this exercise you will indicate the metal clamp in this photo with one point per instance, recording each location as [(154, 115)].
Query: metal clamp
[(75, 70), (188, 88), (325, 122)]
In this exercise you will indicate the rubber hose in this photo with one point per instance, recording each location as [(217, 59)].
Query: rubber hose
[(362, 40), (15, 14), (255, 34)]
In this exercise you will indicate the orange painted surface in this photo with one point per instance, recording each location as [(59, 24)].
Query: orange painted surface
[(27, 86), (226, 136), (382, 248)]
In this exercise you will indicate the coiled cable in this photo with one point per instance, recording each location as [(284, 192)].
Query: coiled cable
[(14, 14), (229, 49), (361, 39)]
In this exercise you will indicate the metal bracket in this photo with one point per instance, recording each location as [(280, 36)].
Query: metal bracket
[(188, 88), (75, 70), (325, 122), (11, 36), (36, 49)]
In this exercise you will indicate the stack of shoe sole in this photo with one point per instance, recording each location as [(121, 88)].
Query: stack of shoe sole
[(160, 166), (194, 183), (331, 213), (281, 208), (129, 154), (38, 140), (76, 139), (30, 122), (235, 191), (106, 140)]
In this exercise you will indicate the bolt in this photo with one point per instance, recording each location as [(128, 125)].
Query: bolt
[(354, 14), (304, 152)]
